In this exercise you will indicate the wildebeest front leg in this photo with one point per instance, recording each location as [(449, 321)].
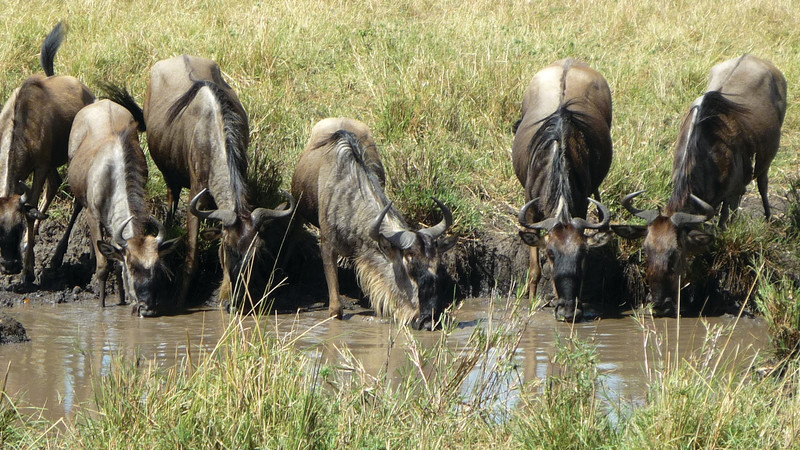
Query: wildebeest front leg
[(101, 267), (535, 272), (190, 266), (332, 278), (28, 276), (173, 195), (50, 190), (120, 284), (763, 189)]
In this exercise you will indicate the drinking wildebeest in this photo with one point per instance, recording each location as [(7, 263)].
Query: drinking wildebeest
[(107, 174), (34, 130), (339, 190), (561, 154), (735, 124), (198, 136)]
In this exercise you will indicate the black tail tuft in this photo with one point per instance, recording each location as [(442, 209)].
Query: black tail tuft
[(50, 47), (121, 96)]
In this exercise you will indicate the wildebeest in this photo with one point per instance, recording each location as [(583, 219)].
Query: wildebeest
[(734, 125), (34, 130), (198, 136), (339, 190), (107, 175), (561, 154)]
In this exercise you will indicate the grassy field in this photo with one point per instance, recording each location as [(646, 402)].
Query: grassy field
[(440, 84)]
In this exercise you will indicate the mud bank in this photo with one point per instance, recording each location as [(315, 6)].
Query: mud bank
[(489, 263)]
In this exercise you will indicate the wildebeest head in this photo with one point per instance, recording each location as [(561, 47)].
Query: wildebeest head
[(566, 244), (414, 257), (241, 242), (669, 239), (15, 211), (146, 278)]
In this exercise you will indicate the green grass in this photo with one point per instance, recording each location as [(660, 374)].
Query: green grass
[(439, 84), (256, 389)]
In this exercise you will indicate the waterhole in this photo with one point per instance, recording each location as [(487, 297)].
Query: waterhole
[(72, 345)]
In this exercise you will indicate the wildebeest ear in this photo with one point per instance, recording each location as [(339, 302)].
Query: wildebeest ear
[(630, 231), (210, 234), (445, 244), (697, 239), (598, 239), (531, 238), (167, 247), (109, 251)]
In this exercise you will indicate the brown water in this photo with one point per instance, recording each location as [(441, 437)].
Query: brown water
[(72, 343)]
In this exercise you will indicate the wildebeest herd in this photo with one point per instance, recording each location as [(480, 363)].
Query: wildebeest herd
[(198, 136)]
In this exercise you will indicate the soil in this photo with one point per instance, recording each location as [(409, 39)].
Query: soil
[(489, 263), (11, 331)]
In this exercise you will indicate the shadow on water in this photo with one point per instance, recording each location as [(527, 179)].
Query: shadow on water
[(72, 343)]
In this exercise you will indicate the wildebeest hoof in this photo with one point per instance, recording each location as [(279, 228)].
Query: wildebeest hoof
[(337, 313), (28, 279)]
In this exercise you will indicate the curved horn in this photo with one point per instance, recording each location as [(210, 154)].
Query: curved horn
[(375, 227), (648, 215), (162, 231), (118, 239), (546, 224), (682, 219), (26, 193), (226, 217), (440, 228), (262, 214), (604, 214)]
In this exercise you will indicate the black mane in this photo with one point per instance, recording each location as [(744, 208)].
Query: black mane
[(573, 131), (235, 142), (135, 178), (712, 119)]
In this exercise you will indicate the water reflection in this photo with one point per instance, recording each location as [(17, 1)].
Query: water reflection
[(70, 343)]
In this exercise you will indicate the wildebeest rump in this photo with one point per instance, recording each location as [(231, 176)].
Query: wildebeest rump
[(107, 174), (198, 136), (561, 153), (729, 137), (339, 189), (34, 130)]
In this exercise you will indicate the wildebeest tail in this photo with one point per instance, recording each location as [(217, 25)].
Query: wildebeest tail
[(235, 143), (710, 118), (121, 96), (50, 47)]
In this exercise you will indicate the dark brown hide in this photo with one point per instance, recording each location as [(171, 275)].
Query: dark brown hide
[(728, 138), (198, 136), (340, 188), (34, 130), (562, 152), (107, 175)]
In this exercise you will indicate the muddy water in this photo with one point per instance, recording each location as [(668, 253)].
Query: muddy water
[(72, 345)]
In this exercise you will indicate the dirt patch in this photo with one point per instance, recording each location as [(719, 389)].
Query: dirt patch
[(11, 331), (485, 264)]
